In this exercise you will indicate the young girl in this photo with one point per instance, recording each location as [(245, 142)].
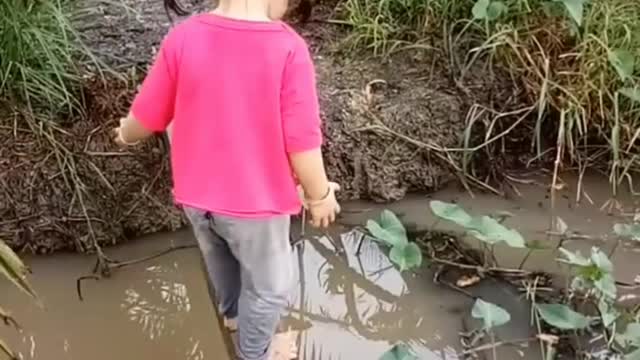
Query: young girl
[(238, 87)]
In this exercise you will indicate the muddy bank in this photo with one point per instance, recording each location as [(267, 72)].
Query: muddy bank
[(386, 122)]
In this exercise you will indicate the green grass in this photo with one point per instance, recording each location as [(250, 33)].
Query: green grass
[(579, 65), (39, 54)]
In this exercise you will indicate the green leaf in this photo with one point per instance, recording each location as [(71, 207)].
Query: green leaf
[(631, 231), (574, 258), (624, 63), (601, 260), (496, 9), (631, 93), (389, 229), (562, 317), (630, 337), (14, 269), (399, 352), (489, 230), (607, 286), (608, 313), (452, 212), (491, 315), (406, 256), (480, 9), (575, 9), (634, 355)]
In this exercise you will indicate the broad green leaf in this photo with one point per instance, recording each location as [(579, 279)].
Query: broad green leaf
[(562, 317), (496, 9), (399, 352), (574, 258), (631, 93), (480, 9), (491, 315), (634, 355), (4, 349), (14, 269), (601, 260), (388, 230), (624, 63), (608, 313), (631, 231), (630, 337), (452, 212), (489, 230), (575, 9), (406, 256), (607, 286)]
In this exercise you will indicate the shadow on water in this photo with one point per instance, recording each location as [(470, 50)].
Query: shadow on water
[(356, 306)]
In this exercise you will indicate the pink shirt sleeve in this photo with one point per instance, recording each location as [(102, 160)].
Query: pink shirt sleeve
[(299, 102), (154, 104)]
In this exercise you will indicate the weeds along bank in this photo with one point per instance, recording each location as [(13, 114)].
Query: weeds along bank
[(451, 84), (576, 60)]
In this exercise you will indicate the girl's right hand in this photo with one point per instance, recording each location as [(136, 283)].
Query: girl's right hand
[(324, 211)]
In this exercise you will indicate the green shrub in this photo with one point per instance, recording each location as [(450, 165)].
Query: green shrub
[(39, 50), (577, 61)]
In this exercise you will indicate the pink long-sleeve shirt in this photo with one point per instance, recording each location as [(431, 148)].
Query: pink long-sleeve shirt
[(241, 96)]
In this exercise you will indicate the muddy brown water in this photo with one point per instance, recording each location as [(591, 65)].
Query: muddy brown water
[(346, 305)]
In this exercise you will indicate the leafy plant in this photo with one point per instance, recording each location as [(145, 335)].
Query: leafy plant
[(484, 228), (630, 340), (488, 10), (562, 317), (389, 231), (13, 269), (40, 53), (399, 352), (491, 315), (592, 274)]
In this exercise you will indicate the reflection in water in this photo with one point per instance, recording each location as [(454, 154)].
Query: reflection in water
[(360, 305), (156, 317)]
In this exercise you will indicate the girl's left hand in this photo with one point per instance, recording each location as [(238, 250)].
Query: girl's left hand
[(119, 139)]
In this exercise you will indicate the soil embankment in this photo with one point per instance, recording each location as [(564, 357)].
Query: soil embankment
[(65, 184)]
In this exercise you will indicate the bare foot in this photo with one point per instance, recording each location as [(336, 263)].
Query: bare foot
[(283, 346)]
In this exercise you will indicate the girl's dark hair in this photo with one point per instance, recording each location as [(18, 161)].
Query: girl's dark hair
[(175, 7)]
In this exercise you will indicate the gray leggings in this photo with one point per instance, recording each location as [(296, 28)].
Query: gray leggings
[(250, 265)]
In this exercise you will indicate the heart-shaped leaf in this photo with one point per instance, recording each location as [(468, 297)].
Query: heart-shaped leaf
[(452, 212), (399, 352), (608, 313), (624, 63), (14, 269), (562, 317), (574, 258), (606, 284), (480, 9), (491, 315), (631, 93), (575, 9), (634, 355), (601, 260), (389, 229), (489, 230), (631, 336), (406, 256), (496, 9)]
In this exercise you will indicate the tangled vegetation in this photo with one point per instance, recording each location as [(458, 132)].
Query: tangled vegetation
[(576, 61), (12, 268), (40, 53), (588, 308)]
